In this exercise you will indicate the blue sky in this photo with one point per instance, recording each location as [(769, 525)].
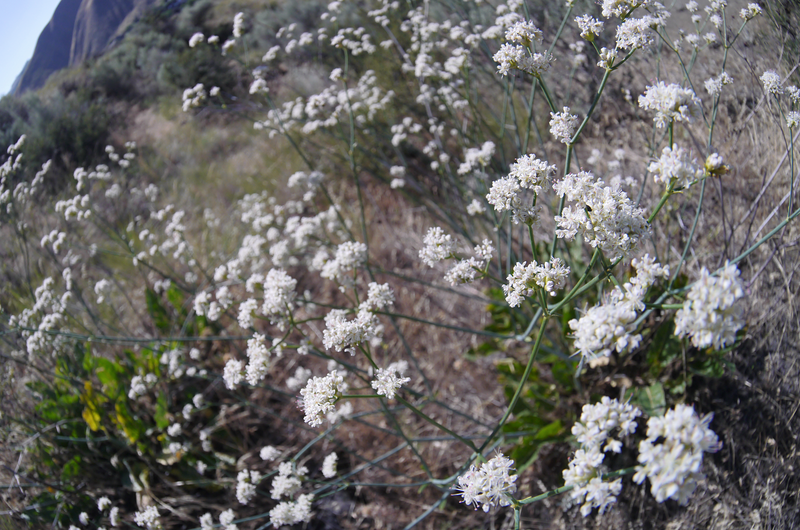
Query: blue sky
[(20, 25)]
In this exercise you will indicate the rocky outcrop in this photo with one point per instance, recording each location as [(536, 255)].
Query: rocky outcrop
[(79, 30)]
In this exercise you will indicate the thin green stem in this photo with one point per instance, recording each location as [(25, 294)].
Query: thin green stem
[(513, 403)]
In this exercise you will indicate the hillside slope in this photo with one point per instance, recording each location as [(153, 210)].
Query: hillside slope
[(78, 30)]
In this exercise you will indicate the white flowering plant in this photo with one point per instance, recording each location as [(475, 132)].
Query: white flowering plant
[(232, 351)]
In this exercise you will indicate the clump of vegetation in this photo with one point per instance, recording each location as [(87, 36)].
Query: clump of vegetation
[(516, 255)]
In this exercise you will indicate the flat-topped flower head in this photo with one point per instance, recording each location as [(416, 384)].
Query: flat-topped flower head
[(329, 465), (710, 314), (149, 518), (672, 455), (590, 27), (550, 276), (609, 326), (563, 125), (532, 173), (604, 215), (750, 12), (489, 485), (319, 397), (675, 165), (524, 32), (387, 382), (772, 83), (438, 246), (670, 102), (515, 57)]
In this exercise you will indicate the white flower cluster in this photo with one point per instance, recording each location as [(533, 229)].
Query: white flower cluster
[(319, 397), (225, 521), (196, 39), (609, 326), (670, 103), (563, 125), (634, 33), (605, 216), (388, 381), (710, 315), (550, 276), (515, 57), (672, 455), (329, 465), (379, 296), (438, 246), (490, 485), (524, 32), (194, 97), (532, 173), (299, 379), (621, 8), (291, 513), (232, 373), (279, 294), (528, 172), (772, 83), (750, 12), (149, 518), (288, 480), (590, 27), (258, 355), (467, 270), (593, 432), (792, 119), (675, 164), (269, 453), (476, 158), (349, 256), (246, 484), (341, 334), (714, 84)]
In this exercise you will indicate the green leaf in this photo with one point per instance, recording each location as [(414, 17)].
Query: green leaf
[(162, 411), (176, 298), (72, 468), (132, 428), (92, 410), (550, 431), (650, 399), (108, 373)]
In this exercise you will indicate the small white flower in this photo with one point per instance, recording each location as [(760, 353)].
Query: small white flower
[(710, 315), (772, 83), (149, 518), (490, 485), (387, 382), (269, 453), (246, 483), (750, 12), (670, 103), (329, 465), (319, 397), (233, 373), (675, 165), (672, 454), (563, 125), (196, 39), (438, 246), (103, 503)]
